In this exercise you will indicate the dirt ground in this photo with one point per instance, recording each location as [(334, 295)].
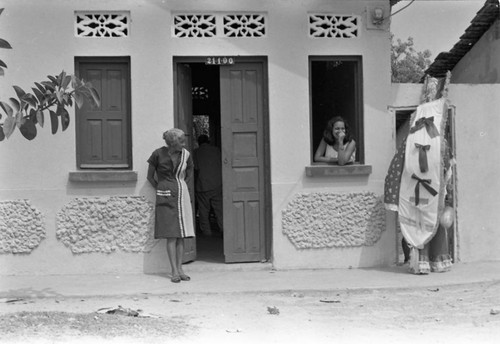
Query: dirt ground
[(451, 314)]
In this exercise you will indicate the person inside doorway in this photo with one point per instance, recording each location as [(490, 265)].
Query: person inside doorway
[(208, 183)]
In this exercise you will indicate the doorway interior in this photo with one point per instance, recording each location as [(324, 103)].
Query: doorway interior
[(206, 119)]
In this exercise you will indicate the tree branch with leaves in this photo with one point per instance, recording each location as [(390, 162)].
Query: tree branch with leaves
[(49, 97), (407, 64), (29, 109)]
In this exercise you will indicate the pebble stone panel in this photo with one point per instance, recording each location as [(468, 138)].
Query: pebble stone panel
[(88, 225), (21, 227), (322, 220)]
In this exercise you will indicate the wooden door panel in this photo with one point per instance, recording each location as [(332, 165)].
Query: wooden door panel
[(115, 139), (243, 155)]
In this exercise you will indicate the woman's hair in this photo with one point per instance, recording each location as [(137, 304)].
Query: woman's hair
[(173, 135), (327, 134)]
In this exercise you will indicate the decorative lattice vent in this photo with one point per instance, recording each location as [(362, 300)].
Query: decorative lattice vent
[(244, 25), (102, 24), (194, 25), (333, 26), (219, 25)]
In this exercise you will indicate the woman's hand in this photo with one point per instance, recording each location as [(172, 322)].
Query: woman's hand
[(341, 136)]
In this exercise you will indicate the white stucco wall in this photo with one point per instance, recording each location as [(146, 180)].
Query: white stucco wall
[(38, 170), (477, 128)]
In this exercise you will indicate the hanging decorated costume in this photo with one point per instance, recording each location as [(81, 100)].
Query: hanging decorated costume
[(415, 186)]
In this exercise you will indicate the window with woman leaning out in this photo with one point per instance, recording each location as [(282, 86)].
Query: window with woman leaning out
[(336, 110)]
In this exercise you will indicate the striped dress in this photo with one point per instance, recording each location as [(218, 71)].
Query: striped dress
[(173, 212)]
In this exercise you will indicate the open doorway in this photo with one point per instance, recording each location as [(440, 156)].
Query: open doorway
[(228, 103), (206, 121)]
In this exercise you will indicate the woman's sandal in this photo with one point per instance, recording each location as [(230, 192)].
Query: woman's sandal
[(184, 277), (175, 279)]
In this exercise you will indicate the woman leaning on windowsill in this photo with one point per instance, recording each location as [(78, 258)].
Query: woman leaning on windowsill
[(337, 145)]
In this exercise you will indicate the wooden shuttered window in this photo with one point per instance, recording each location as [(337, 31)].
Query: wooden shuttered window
[(103, 133)]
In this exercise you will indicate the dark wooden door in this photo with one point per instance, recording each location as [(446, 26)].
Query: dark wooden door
[(103, 133), (242, 112), (184, 109)]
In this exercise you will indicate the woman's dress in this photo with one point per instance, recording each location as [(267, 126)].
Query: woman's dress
[(174, 212), (330, 152)]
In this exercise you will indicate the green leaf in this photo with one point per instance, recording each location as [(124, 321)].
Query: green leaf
[(16, 104), (19, 91), (79, 98), (75, 82), (66, 81), (40, 87), (53, 121), (95, 96), (7, 108), (9, 125), (2, 135), (52, 79), (40, 118), (4, 44), (30, 99), (20, 119), (32, 115), (60, 78), (64, 118), (59, 95), (38, 94), (49, 86), (28, 129)]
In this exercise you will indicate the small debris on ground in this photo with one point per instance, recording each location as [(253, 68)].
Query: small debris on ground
[(495, 311), (435, 289), (18, 299), (273, 310), (234, 331), (329, 301), (126, 311), (297, 295)]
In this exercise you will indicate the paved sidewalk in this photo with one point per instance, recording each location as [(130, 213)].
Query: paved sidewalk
[(242, 278)]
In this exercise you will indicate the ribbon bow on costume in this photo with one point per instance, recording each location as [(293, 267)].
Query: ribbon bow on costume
[(428, 122), (422, 157), (426, 184)]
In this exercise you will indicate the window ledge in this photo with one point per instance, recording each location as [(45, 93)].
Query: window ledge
[(336, 170), (103, 176)]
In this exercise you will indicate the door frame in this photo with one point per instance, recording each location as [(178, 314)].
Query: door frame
[(268, 220)]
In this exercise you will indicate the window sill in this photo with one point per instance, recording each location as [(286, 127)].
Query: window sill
[(103, 176), (336, 170)]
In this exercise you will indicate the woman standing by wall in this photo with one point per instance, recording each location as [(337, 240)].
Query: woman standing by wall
[(170, 170)]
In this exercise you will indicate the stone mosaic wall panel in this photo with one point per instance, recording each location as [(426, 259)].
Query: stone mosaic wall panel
[(21, 227), (87, 225), (321, 220)]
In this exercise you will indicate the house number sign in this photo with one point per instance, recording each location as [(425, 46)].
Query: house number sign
[(219, 60)]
